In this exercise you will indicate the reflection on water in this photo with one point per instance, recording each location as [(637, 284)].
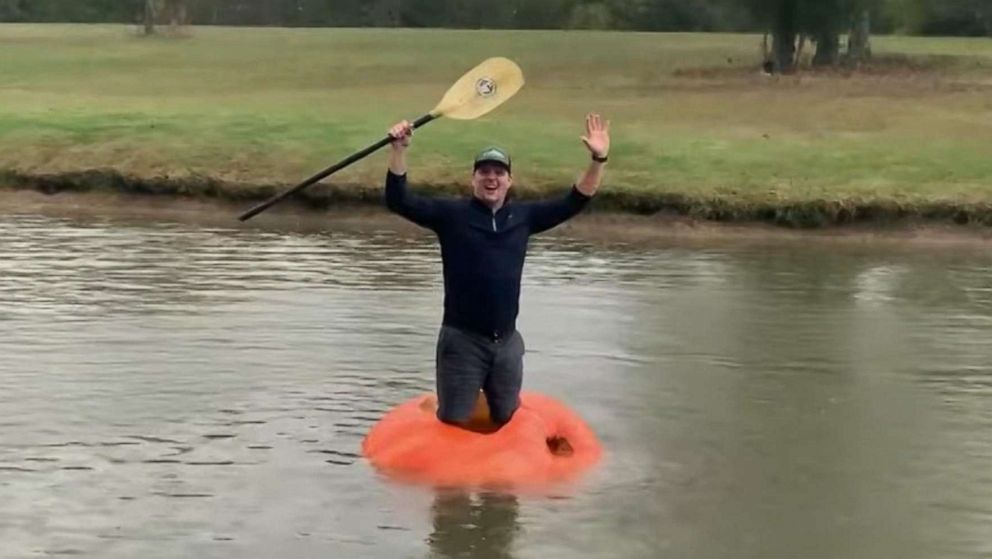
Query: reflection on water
[(180, 390), (468, 526)]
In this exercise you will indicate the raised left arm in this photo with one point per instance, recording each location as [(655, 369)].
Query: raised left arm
[(547, 214), (597, 141)]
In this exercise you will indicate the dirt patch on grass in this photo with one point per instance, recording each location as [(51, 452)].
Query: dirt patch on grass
[(889, 74)]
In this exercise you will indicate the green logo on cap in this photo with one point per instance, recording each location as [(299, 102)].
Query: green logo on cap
[(493, 154)]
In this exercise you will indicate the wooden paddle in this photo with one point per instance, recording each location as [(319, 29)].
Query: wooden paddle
[(479, 91)]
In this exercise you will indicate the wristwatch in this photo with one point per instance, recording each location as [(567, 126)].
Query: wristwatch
[(599, 159)]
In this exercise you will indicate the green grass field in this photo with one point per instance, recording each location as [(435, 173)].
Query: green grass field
[(692, 118)]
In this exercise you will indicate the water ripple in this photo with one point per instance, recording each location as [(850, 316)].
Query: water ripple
[(166, 383)]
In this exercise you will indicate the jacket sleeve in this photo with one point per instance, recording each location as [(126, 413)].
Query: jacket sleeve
[(546, 214), (424, 211)]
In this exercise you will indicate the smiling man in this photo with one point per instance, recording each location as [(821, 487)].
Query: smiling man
[(483, 245)]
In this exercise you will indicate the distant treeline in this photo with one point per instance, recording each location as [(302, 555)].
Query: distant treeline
[(937, 17)]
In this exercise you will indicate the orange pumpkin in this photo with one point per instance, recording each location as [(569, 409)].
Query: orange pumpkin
[(544, 443)]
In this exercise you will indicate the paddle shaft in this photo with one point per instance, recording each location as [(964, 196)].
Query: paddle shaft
[(330, 170)]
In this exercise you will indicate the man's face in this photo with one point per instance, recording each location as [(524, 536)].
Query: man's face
[(490, 183)]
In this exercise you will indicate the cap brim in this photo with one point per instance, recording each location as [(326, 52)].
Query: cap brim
[(482, 162)]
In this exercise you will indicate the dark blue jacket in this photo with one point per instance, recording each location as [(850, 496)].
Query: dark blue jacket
[(482, 251)]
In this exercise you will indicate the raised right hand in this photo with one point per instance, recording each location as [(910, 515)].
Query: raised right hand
[(401, 133)]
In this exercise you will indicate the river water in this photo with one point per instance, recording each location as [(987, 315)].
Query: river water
[(183, 389)]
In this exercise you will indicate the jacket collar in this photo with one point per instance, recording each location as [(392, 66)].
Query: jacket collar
[(480, 205)]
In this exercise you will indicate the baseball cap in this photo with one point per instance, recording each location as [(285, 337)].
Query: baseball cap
[(492, 155)]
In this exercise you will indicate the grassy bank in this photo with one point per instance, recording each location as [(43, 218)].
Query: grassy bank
[(241, 112)]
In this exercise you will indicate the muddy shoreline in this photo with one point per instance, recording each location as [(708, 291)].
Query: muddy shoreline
[(602, 227), (806, 214)]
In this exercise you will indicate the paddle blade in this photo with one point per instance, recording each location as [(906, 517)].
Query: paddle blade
[(481, 90)]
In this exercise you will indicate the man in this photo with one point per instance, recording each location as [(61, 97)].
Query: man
[(483, 242)]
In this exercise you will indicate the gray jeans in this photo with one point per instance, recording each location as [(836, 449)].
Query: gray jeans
[(467, 363)]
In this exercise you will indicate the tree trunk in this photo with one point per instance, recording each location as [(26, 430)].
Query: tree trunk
[(386, 13), (827, 49), (859, 41), (181, 13), (176, 10), (784, 45), (11, 10), (149, 17), (784, 38)]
